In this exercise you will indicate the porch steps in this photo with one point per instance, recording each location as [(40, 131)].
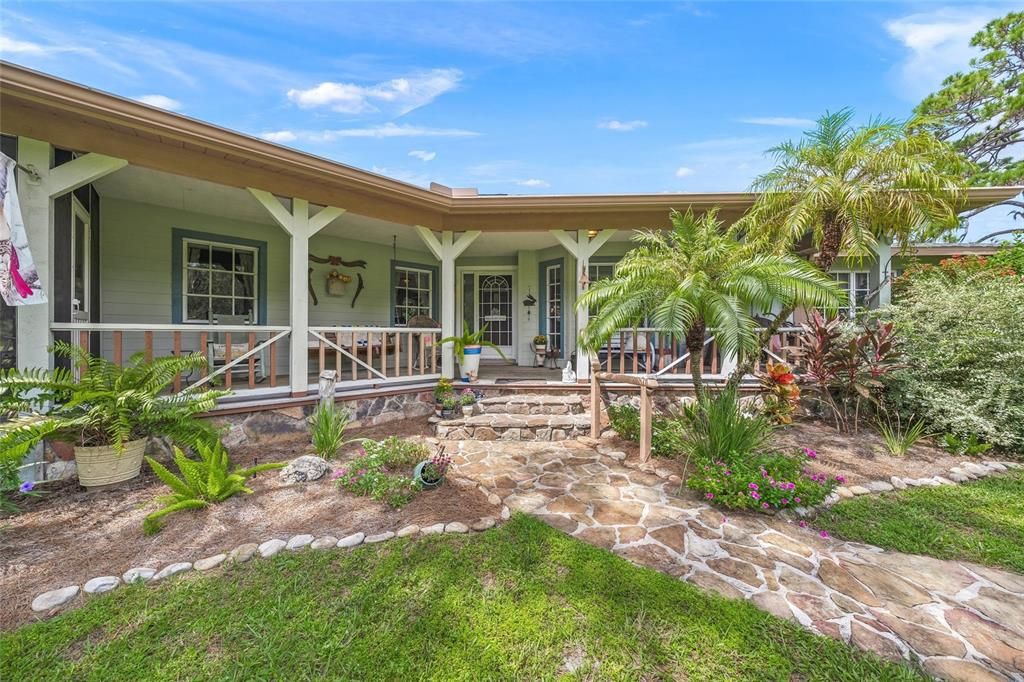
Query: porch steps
[(520, 417), (532, 404), (514, 427)]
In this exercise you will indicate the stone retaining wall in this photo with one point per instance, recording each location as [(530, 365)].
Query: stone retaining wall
[(288, 423)]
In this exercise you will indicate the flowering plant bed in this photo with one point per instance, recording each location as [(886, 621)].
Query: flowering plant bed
[(766, 482), (376, 474)]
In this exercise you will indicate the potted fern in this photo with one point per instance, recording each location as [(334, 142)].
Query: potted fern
[(107, 412), (468, 347)]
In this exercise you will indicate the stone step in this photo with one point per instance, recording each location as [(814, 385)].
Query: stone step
[(515, 427), (531, 403)]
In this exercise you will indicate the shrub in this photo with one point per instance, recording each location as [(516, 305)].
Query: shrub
[(762, 482), (327, 428), (843, 366), (963, 339), (666, 432), (202, 483), (373, 474), (779, 392), (969, 446), (715, 428)]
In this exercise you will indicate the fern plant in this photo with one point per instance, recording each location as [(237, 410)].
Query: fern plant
[(202, 483), (107, 404)]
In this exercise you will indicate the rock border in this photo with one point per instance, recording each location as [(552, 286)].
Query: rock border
[(52, 601)]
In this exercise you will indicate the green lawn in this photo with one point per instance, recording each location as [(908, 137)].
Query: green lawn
[(522, 601), (981, 521)]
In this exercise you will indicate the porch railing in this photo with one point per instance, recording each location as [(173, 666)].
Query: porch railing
[(649, 351), (238, 356), (377, 353)]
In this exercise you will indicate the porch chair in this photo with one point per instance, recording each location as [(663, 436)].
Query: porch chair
[(216, 348), (424, 322), (626, 346)]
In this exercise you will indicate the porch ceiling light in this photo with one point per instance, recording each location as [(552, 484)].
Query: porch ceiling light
[(591, 233)]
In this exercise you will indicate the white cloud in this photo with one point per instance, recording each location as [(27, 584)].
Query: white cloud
[(423, 155), (937, 43), (279, 136), (533, 182), (400, 95), (390, 130), (782, 121), (683, 172), (160, 101), (622, 126), (12, 46)]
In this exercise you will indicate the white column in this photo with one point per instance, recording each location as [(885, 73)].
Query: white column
[(581, 247), (36, 198), (300, 226), (883, 252), (447, 249)]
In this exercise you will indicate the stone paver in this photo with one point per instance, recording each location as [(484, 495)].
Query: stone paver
[(962, 621)]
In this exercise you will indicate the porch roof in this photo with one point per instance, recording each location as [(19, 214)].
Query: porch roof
[(73, 116)]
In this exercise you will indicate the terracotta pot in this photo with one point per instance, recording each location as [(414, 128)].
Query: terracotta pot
[(104, 465), (62, 450)]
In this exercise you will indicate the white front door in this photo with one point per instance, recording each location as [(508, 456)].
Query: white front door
[(488, 298)]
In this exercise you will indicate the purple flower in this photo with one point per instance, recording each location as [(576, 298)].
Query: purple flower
[(797, 500), (709, 496), (811, 454), (752, 486), (728, 473), (823, 534), (785, 500), (764, 505), (841, 479), (26, 487), (802, 523), (755, 495)]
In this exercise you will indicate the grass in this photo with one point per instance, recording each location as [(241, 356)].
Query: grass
[(981, 521), (522, 601)]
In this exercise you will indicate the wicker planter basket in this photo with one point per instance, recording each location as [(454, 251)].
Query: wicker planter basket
[(104, 465)]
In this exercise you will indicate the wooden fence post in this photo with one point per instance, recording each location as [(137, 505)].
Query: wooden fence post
[(595, 401), (645, 423)]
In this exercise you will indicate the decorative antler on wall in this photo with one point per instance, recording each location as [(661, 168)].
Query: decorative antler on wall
[(335, 261)]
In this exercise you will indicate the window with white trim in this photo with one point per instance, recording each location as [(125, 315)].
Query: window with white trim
[(414, 294), (219, 279), (855, 287)]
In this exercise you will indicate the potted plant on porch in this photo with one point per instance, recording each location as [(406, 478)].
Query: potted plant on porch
[(467, 399), (107, 412), (468, 347)]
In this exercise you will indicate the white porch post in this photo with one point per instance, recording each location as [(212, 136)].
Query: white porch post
[(447, 249), (36, 197), (582, 247), (883, 252), (300, 226)]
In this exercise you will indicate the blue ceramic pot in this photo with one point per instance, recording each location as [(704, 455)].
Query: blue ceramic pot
[(417, 475)]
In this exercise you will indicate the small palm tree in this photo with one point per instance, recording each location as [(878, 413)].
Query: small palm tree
[(698, 278), (848, 188)]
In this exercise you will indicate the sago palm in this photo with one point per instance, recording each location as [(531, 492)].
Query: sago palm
[(698, 278), (851, 187)]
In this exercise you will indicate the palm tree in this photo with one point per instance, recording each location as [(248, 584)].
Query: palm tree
[(851, 187), (698, 278)]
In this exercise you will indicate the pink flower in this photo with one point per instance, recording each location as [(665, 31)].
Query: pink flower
[(764, 505), (811, 454), (841, 479), (755, 495), (752, 486), (709, 496), (785, 500), (797, 500), (802, 523), (823, 534)]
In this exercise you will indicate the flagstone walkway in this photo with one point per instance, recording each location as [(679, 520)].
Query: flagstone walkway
[(961, 621)]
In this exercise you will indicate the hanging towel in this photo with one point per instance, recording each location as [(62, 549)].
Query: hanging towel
[(19, 280)]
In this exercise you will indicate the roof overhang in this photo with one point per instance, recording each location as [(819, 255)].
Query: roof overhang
[(73, 116)]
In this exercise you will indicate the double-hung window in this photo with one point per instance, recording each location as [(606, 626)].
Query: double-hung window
[(219, 279), (413, 292)]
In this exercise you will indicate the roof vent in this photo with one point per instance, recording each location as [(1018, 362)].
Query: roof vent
[(454, 191)]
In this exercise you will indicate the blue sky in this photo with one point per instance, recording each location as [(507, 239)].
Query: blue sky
[(513, 98)]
